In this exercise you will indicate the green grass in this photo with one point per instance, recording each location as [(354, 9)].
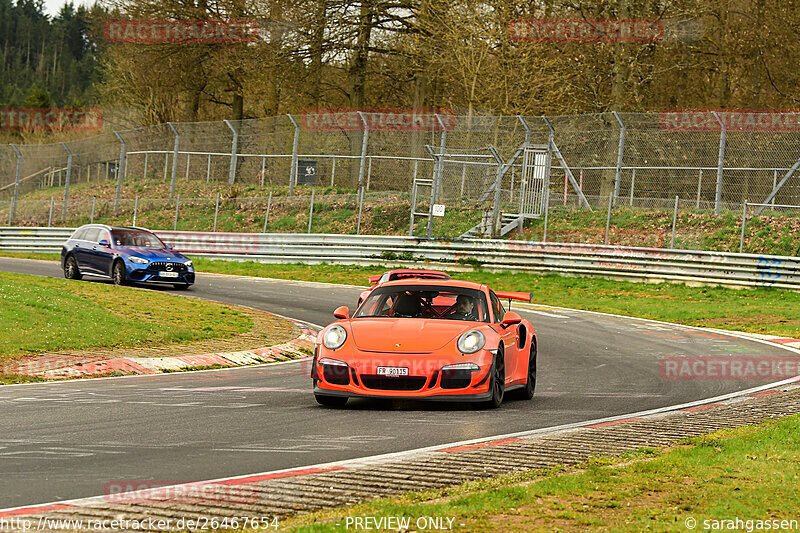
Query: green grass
[(773, 233), (242, 208), (40, 314), (758, 310), (751, 472)]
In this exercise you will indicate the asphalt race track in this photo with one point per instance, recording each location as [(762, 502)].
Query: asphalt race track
[(72, 439)]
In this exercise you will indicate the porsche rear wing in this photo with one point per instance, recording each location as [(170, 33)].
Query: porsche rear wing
[(524, 296)]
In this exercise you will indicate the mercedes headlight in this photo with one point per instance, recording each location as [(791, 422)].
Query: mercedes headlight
[(334, 337), (138, 260), (188, 263), (471, 341)]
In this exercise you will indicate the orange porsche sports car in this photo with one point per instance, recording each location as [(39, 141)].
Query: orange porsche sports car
[(432, 339)]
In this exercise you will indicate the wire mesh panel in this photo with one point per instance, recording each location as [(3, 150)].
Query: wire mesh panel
[(535, 177)]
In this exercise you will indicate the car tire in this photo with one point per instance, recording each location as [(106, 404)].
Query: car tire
[(497, 384), (118, 274), (71, 270), (330, 401), (526, 392), (181, 286)]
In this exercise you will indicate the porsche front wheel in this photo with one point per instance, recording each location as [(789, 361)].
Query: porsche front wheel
[(498, 382), (330, 401)]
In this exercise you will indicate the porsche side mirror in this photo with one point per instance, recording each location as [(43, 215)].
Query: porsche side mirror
[(342, 312), (104, 243), (509, 319), (374, 279)]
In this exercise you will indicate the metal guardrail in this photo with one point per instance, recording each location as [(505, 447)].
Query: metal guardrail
[(641, 264)]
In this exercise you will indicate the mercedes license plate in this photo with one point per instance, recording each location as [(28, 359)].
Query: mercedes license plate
[(392, 371), (168, 274)]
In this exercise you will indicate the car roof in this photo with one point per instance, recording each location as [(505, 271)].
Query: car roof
[(106, 226), (415, 271), (437, 282)]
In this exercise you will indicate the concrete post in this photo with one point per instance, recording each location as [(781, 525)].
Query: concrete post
[(66, 181), (120, 167), (234, 150)]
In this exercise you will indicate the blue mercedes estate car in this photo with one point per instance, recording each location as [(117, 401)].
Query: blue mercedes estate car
[(125, 255)]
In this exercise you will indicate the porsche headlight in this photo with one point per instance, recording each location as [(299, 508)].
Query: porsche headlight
[(138, 260), (334, 337), (472, 367), (471, 341)]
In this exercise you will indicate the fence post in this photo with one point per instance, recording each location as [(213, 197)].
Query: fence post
[(216, 212), (774, 182), (208, 169), (311, 210), (633, 185), (437, 175), (119, 168), (135, 209), (177, 207), (361, 169), (620, 152), (94, 203), (744, 221), (263, 169), (554, 149), (720, 163), (266, 218), (699, 188), (295, 145), (66, 181), (50, 218), (13, 209), (188, 165), (333, 170), (674, 222), (234, 150), (175, 148), (608, 215), (546, 209)]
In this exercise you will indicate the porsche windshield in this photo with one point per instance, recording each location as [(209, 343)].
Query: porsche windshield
[(425, 301)]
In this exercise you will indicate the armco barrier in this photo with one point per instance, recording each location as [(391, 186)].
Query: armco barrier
[(643, 264)]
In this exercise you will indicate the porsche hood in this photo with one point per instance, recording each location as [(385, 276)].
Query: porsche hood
[(407, 335)]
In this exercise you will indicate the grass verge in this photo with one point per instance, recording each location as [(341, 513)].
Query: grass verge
[(39, 314), (750, 473), (758, 310)]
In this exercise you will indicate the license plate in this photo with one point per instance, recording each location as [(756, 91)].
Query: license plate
[(392, 371), (168, 274)]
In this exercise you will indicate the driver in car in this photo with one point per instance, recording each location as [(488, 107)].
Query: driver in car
[(464, 308)]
